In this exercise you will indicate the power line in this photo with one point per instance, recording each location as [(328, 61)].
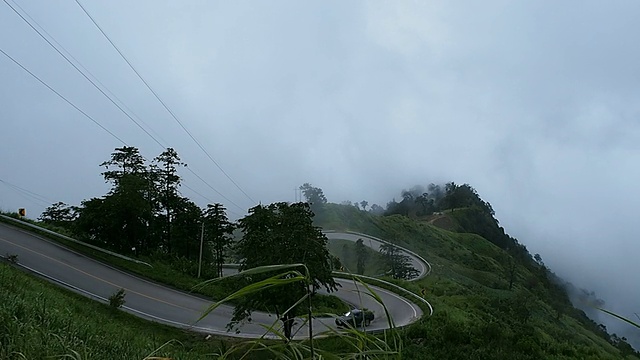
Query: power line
[(29, 195), (212, 188), (94, 85), (96, 121), (62, 97), (87, 70), (83, 74), (163, 103), (197, 193), (208, 200)]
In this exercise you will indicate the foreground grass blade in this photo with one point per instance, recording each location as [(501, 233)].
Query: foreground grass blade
[(619, 317), (274, 281)]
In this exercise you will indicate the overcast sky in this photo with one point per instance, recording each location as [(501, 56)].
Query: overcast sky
[(535, 104)]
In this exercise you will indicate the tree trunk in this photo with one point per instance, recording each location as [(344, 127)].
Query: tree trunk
[(287, 322)]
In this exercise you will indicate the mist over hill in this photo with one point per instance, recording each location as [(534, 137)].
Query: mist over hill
[(458, 209)]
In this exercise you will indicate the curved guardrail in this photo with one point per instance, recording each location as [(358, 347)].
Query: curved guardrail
[(394, 286), (415, 296), (423, 260)]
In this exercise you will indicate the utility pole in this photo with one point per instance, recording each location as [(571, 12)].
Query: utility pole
[(201, 241)]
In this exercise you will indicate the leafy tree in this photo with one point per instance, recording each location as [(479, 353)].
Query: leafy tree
[(376, 209), (187, 228), (398, 264), (336, 264), (315, 197), (538, 259), (394, 207), (361, 255), (510, 267), (93, 222), (165, 174), (346, 253), (124, 161), (282, 233), (218, 230), (364, 204), (435, 192), (127, 206), (59, 214), (426, 204), (461, 196)]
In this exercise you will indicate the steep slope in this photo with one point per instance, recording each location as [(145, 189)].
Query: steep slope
[(489, 303)]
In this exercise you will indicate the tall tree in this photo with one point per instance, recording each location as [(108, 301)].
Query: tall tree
[(361, 255), (186, 228), (165, 170), (282, 233), (315, 197), (127, 205), (398, 264), (124, 161), (376, 209), (59, 214), (94, 222), (218, 230), (426, 204)]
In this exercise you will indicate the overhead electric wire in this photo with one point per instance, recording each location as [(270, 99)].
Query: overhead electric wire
[(62, 96), (29, 195), (197, 193), (97, 87), (164, 104), (209, 200), (212, 188), (87, 70), (96, 121), (83, 74)]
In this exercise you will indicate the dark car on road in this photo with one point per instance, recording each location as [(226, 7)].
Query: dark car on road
[(355, 318)]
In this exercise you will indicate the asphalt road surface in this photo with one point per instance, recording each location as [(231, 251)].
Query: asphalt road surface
[(417, 262), (159, 303)]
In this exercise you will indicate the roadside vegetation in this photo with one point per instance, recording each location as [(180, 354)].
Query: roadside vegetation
[(39, 320), (493, 299)]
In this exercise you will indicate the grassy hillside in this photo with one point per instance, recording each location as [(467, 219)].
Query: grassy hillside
[(39, 320), (476, 315)]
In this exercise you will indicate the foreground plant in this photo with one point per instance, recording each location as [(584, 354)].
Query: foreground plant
[(354, 343), (116, 300), (620, 317), (282, 233)]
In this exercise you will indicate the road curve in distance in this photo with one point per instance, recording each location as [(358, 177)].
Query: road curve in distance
[(419, 263)]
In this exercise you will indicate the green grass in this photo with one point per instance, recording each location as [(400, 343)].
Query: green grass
[(476, 315), (39, 320)]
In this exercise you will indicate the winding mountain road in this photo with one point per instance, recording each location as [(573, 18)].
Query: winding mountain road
[(420, 264), (159, 303)]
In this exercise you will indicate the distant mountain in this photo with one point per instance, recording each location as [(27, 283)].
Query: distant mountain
[(492, 298)]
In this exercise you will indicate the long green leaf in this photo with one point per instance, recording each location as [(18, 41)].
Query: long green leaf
[(274, 281), (619, 317), (252, 271)]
